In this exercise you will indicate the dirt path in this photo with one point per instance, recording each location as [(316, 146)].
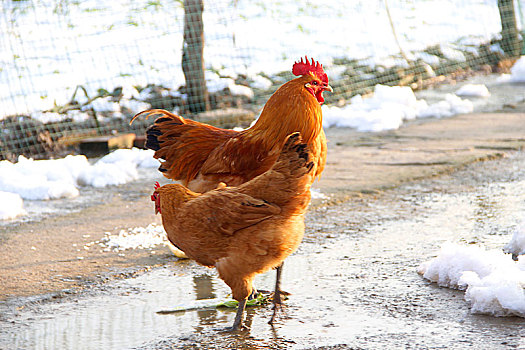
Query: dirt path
[(49, 256), (367, 162)]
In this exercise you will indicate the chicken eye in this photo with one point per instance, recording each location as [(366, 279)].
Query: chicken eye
[(315, 83)]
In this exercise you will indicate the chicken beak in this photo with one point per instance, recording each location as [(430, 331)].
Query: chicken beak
[(328, 88)]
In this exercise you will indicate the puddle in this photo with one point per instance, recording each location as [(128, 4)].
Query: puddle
[(98, 321), (353, 282)]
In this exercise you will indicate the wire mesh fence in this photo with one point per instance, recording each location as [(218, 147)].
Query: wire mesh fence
[(74, 69)]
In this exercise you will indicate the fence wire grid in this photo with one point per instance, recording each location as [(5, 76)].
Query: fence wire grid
[(74, 69)]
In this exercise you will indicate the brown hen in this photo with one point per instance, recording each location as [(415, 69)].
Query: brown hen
[(246, 230)]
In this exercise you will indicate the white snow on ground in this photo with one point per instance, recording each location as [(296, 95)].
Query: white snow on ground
[(474, 90), (261, 82), (389, 107), (448, 107), (117, 168), (141, 158), (215, 83), (42, 179), (134, 238), (494, 283), (49, 117), (60, 178), (11, 205), (516, 246), (103, 174), (517, 72)]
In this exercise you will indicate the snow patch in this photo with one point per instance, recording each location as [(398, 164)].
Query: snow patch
[(135, 238), (516, 246), (139, 157), (11, 205), (473, 90), (493, 282), (42, 179), (106, 174), (448, 107), (389, 107), (216, 83), (517, 72), (260, 82), (60, 178)]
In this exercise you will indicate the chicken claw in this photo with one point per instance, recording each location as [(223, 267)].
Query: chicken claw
[(238, 323)]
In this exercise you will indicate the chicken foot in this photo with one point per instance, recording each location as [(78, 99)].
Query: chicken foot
[(238, 323)]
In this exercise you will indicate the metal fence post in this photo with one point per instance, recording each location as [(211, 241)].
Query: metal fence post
[(509, 28), (192, 56)]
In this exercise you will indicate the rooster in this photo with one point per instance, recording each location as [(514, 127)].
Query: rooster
[(201, 156), (246, 230)]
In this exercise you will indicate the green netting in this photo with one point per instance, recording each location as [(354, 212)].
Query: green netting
[(73, 69)]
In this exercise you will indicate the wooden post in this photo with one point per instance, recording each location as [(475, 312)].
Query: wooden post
[(509, 28), (192, 56)]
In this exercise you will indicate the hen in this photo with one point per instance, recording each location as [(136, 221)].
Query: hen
[(246, 230), (202, 156)]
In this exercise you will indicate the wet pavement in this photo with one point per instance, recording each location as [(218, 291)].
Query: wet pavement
[(354, 281)]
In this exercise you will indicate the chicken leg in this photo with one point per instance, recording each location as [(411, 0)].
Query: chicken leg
[(277, 293), (238, 323)]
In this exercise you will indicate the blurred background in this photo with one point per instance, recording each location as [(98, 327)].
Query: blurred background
[(70, 69)]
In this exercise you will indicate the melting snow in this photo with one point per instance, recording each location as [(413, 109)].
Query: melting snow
[(11, 205), (448, 107), (42, 179), (517, 72), (493, 281), (215, 83), (135, 238), (389, 107), (60, 178), (474, 90), (516, 246)]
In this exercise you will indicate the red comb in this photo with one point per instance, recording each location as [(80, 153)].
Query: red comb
[(302, 68), (154, 195)]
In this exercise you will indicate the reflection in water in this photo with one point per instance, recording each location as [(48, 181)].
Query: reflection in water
[(203, 285), (117, 319)]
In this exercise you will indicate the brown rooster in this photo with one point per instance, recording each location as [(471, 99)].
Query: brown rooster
[(202, 156), (246, 230)]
